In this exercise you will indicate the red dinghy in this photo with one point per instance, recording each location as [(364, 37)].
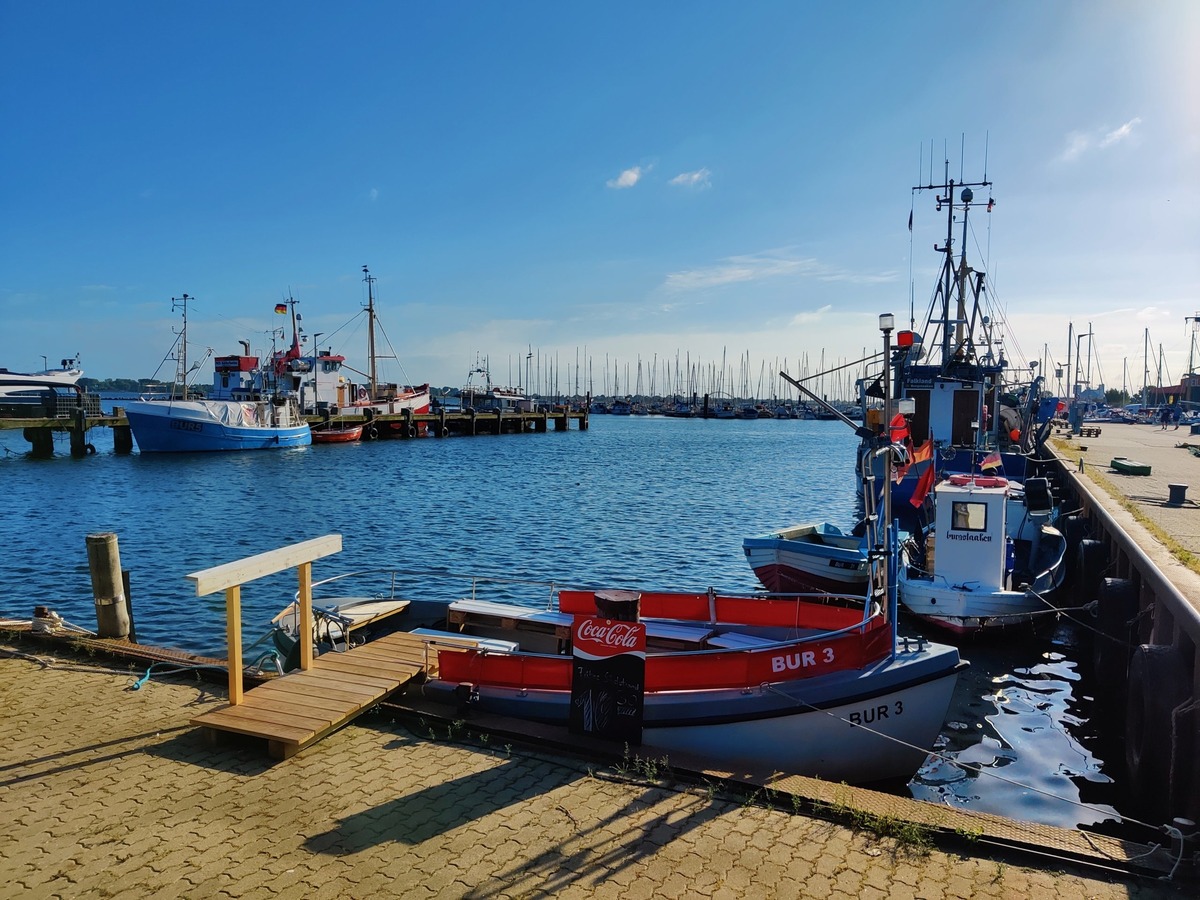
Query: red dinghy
[(342, 435)]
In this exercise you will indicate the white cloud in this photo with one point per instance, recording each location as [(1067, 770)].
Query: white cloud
[(1079, 142), (373, 194), (697, 179), (766, 265), (808, 318), (626, 179), (1120, 134)]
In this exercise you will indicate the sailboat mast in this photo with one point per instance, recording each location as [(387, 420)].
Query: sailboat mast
[(370, 280)]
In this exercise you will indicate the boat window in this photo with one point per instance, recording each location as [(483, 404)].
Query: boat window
[(968, 516)]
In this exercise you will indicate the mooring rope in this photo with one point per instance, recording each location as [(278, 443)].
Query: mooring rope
[(1170, 830)]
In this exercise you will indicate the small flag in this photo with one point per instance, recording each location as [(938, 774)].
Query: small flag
[(924, 452), (991, 203), (910, 220), (924, 484), (281, 308), (991, 461)]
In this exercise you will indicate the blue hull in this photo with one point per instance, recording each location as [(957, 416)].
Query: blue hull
[(165, 434)]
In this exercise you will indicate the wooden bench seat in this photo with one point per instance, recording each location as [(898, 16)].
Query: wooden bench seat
[(659, 635), (733, 640), (465, 640)]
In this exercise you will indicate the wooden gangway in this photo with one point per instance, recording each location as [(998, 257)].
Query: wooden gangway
[(298, 709), (295, 710)]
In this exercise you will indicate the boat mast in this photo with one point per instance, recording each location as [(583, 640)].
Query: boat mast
[(954, 278), (370, 280), (181, 367)]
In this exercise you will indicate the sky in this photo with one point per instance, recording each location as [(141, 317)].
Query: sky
[(573, 192)]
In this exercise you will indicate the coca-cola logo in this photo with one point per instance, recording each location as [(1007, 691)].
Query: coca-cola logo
[(620, 635)]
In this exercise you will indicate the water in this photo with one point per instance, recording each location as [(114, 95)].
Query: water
[(633, 502)]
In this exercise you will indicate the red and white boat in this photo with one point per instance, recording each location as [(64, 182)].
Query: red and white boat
[(810, 685), (813, 557)]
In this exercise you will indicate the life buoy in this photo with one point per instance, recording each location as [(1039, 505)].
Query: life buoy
[(362, 393), (89, 449), (372, 432), (960, 480)]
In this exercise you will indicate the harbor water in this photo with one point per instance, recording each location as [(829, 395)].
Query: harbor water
[(636, 502)]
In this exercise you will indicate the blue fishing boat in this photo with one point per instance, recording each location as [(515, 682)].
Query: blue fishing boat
[(180, 422), (962, 402)]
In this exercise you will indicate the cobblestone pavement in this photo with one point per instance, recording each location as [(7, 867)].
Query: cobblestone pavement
[(108, 792)]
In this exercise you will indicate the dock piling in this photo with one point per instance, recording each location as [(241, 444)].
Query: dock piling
[(104, 564)]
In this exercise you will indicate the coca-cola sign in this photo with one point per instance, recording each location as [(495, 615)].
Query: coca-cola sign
[(605, 637), (608, 677)]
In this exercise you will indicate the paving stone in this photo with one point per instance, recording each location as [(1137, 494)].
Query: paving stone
[(110, 794)]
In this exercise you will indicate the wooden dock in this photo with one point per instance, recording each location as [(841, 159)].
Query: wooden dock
[(296, 710), (39, 430)]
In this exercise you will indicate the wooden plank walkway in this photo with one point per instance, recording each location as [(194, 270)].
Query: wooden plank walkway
[(300, 708)]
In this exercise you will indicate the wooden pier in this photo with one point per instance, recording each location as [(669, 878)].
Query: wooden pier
[(78, 421), (298, 709)]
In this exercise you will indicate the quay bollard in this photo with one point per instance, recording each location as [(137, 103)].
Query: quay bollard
[(104, 565), (1178, 494)]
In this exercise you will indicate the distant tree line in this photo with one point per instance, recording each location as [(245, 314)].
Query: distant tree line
[(127, 385)]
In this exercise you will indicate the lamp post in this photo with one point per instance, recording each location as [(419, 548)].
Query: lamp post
[(887, 322), (313, 370)]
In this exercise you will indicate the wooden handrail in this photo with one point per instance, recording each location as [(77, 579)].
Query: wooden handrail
[(230, 577)]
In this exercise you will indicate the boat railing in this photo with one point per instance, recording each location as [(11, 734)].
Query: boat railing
[(742, 668), (391, 583)]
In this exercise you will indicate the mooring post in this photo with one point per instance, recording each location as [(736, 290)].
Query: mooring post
[(79, 433), (104, 564), (41, 442)]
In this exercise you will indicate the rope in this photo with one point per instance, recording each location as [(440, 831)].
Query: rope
[(979, 770), (137, 685)]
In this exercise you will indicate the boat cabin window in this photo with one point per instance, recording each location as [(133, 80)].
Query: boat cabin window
[(966, 516)]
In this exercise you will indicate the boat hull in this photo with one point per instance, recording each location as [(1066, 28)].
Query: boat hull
[(858, 726), (337, 435), (808, 558), (207, 426)]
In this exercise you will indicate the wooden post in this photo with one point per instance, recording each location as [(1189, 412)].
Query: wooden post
[(104, 564), (79, 433), (233, 641), (304, 598)]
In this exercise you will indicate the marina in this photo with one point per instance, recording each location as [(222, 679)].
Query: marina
[(165, 618)]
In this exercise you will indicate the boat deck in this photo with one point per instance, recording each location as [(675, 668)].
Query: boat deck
[(298, 709)]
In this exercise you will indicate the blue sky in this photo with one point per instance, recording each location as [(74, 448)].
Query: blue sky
[(590, 182)]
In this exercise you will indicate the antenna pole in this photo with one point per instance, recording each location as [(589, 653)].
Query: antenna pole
[(370, 280)]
